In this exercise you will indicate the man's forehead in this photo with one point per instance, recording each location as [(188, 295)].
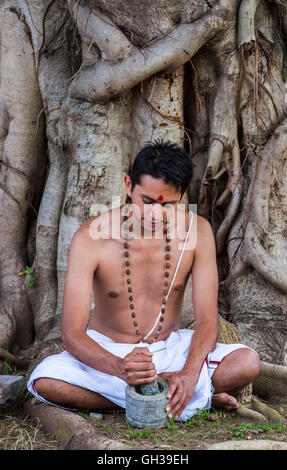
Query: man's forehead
[(156, 187), (160, 198)]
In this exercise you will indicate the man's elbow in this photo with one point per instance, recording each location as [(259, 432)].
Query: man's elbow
[(65, 340), (68, 340), (213, 331), (208, 327)]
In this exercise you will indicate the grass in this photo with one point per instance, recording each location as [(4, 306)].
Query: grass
[(247, 428), (19, 432), (213, 426), (6, 366)]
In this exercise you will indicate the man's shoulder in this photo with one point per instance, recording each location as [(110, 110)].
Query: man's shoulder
[(205, 235), (198, 223), (202, 223), (81, 237), (101, 227)]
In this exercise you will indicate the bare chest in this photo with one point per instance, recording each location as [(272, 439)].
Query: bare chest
[(147, 271)]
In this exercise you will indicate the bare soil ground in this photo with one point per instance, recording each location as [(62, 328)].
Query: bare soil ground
[(206, 427), (20, 432)]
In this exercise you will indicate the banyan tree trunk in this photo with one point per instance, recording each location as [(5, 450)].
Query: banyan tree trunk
[(23, 168), (84, 84)]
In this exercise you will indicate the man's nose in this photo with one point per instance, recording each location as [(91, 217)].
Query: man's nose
[(156, 211)]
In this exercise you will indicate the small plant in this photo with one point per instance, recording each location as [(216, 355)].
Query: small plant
[(142, 434), (172, 424), (197, 419), (8, 368), (32, 275), (244, 428)]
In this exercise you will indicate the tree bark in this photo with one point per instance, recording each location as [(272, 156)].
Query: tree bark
[(102, 77), (22, 172)]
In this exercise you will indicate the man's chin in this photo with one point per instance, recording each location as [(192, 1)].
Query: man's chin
[(152, 227)]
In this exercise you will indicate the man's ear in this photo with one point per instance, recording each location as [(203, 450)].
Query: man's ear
[(128, 185)]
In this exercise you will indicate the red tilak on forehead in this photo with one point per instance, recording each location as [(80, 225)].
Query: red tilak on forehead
[(160, 198)]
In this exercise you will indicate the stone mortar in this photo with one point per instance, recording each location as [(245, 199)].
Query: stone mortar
[(147, 411)]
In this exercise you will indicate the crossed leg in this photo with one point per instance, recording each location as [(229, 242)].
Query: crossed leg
[(235, 371), (72, 396)]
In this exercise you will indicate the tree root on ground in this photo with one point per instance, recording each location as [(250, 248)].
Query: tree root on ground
[(19, 363), (245, 412), (259, 412), (270, 385)]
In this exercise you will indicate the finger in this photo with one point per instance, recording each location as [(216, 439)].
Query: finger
[(181, 400), (140, 357), (170, 393), (139, 366), (180, 405), (171, 390), (138, 363), (138, 374), (140, 378), (134, 373), (143, 350), (164, 375), (177, 396), (146, 380)]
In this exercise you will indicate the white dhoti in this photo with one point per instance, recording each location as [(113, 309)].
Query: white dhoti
[(168, 356)]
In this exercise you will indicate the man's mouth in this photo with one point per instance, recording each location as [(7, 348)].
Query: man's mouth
[(156, 225), (152, 223)]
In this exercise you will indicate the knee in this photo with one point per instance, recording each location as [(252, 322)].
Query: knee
[(42, 386), (251, 363)]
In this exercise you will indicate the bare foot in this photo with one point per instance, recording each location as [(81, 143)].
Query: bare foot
[(223, 400)]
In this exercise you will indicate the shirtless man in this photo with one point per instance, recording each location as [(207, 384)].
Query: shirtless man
[(128, 278)]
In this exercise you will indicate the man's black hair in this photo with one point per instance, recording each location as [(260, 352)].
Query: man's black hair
[(166, 160)]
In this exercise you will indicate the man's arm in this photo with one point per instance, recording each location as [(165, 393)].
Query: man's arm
[(137, 366), (205, 293), (76, 305)]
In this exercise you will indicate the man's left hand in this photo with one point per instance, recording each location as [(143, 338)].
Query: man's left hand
[(180, 391)]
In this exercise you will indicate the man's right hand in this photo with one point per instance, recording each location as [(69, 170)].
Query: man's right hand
[(137, 367)]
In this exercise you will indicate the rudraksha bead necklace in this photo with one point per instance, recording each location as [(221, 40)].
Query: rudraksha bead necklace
[(167, 257)]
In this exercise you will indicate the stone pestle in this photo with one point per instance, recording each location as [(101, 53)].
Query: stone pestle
[(150, 389)]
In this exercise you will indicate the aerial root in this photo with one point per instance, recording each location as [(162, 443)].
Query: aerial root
[(271, 414), (19, 363), (245, 412), (259, 412)]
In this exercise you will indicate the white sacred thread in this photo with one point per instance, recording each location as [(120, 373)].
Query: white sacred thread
[(174, 276)]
